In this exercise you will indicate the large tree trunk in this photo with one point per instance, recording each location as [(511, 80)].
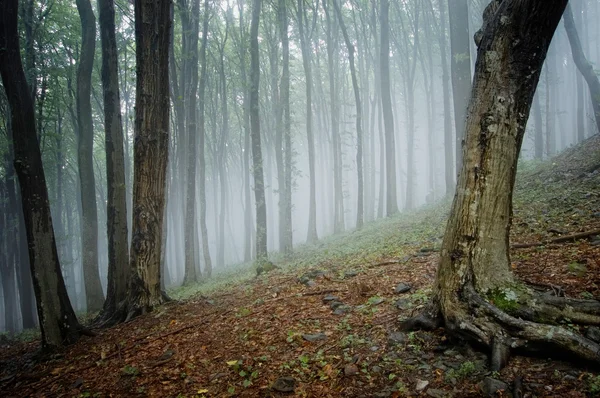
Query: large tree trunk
[(475, 295), (257, 159), (388, 117), (58, 322), (151, 149), (85, 152), (116, 207), (460, 66), (585, 67)]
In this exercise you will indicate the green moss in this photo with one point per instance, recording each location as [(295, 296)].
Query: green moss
[(506, 298)]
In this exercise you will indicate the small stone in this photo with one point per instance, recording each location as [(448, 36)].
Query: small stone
[(314, 337), (597, 214), (421, 384), (329, 298), (334, 304), (350, 369), (376, 300), (284, 384), (342, 310), (570, 378), (311, 283), (402, 304), (350, 274), (402, 288), (376, 369), (78, 383), (396, 338), (491, 387), (435, 393), (374, 348)]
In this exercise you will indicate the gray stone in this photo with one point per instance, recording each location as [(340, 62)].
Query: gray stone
[(329, 298), (284, 384), (402, 288), (374, 348), (376, 300), (435, 393), (402, 304), (350, 274), (491, 387), (342, 310), (421, 384), (334, 304), (376, 369), (314, 337), (396, 338)]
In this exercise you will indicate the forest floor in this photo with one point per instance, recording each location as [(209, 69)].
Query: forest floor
[(326, 323)]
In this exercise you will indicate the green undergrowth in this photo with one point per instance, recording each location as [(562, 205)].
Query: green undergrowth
[(544, 190)]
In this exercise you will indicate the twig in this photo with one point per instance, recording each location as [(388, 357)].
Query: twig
[(562, 239)]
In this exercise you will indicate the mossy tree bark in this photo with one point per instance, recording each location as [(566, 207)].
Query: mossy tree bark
[(58, 323), (476, 296)]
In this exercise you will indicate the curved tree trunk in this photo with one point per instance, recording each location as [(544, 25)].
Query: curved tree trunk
[(58, 322), (476, 296), (85, 152), (116, 220)]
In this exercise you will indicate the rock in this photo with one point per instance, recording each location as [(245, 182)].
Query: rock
[(350, 370), (78, 383), (376, 300), (396, 338), (374, 348), (342, 310), (314, 337), (593, 333), (595, 242), (402, 288), (329, 298), (421, 384), (402, 304), (311, 283), (597, 214), (376, 369), (435, 393), (334, 304), (284, 384), (350, 274), (491, 387)]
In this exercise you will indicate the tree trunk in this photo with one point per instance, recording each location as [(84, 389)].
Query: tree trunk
[(201, 136), (460, 66), (306, 63), (585, 67), (475, 294), (151, 150), (388, 117), (116, 207), (359, 122), (257, 162), (190, 22), (85, 152), (58, 322)]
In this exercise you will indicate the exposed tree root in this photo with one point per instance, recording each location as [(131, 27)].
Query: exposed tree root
[(473, 318)]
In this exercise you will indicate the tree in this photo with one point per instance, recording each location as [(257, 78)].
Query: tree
[(585, 67), (388, 117), (257, 162), (58, 322), (89, 212), (116, 207), (151, 148), (460, 69), (359, 134), (476, 295)]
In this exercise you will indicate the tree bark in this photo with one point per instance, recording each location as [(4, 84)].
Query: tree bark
[(58, 323), (257, 160), (475, 295), (116, 207), (585, 67), (85, 152), (151, 149), (388, 117)]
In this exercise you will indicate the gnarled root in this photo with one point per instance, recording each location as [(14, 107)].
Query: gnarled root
[(472, 318)]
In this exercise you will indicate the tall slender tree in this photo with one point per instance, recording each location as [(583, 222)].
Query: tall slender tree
[(116, 207), (85, 152)]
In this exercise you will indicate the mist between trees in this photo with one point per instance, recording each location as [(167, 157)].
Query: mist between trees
[(325, 166)]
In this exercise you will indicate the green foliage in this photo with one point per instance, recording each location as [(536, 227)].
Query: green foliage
[(465, 370), (594, 385)]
